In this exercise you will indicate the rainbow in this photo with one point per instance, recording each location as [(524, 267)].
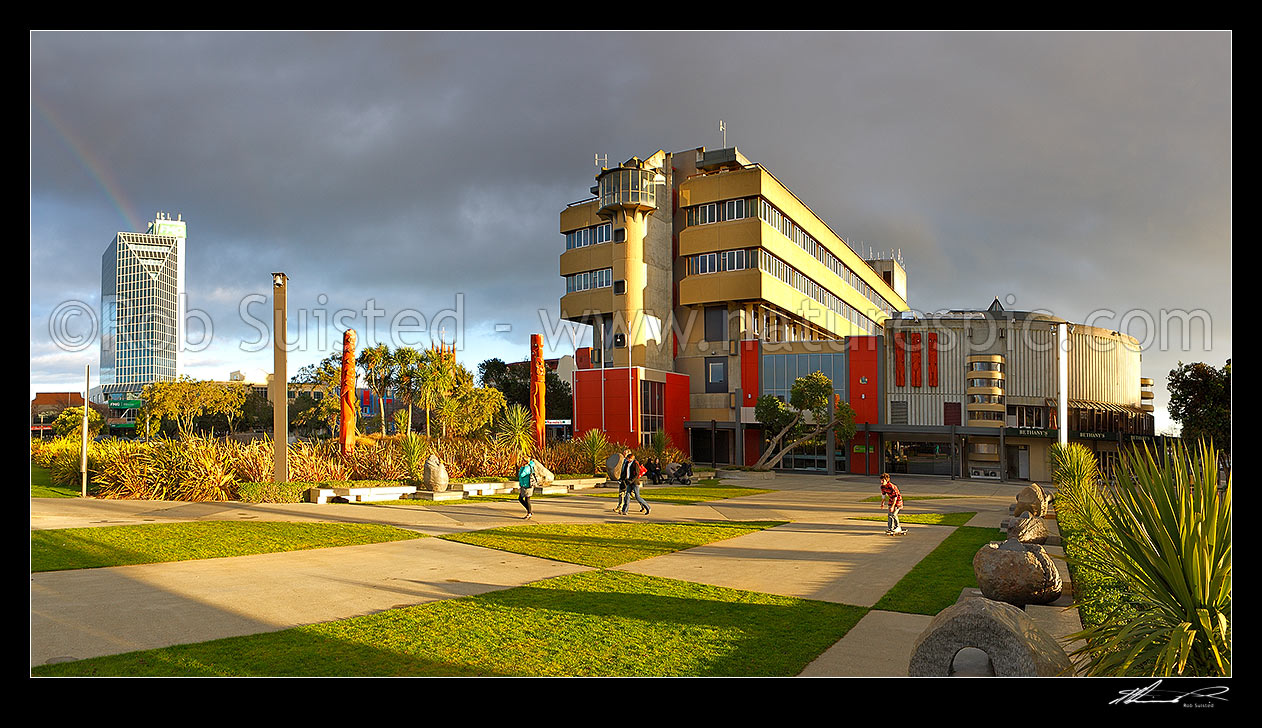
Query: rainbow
[(93, 166)]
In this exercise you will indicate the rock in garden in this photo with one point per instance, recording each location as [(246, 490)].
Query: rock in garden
[(1015, 645), (435, 474), (1034, 500), (612, 463), (1016, 573), (1027, 529)]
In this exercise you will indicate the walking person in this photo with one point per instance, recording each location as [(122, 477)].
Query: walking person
[(637, 477), (526, 479), (890, 495), (620, 506), (630, 475)]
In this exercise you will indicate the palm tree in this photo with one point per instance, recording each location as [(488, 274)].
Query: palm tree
[(408, 363), (379, 368), (517, 432), (435, 381)]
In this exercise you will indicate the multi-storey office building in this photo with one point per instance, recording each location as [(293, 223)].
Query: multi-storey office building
[(696, 270), (984, 394), (142, 311)]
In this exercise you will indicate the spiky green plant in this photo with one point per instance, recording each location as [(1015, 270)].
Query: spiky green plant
[(1169, 543), (595, 445), (415, 449), (517, 432)]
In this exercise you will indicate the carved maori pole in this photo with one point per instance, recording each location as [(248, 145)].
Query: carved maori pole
[(538, 372), (349, 402)]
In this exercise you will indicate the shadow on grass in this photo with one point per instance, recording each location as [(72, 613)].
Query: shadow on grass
[(936, 582), (590, 623)]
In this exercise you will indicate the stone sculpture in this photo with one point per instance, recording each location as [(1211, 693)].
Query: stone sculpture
[(435, 474), (612, 465), (1013, 642), (1016, 573), (1031, 500), (1028, 529), (347, 403)]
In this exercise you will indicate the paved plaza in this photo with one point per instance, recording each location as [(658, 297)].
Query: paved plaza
[(822, 554)]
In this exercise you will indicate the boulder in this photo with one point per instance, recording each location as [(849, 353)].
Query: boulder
[(435, 475), (1016, 573), (1032, 500), (1013, 642), (1028, 529), (612, 465), (545, 476)]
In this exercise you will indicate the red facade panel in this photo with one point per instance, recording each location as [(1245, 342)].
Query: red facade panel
[(750, 361), (900, 372), (914, 348), (864, 390), (933, 359), (678, 410)]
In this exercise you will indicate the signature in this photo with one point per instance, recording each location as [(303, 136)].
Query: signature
[(1151, 694)]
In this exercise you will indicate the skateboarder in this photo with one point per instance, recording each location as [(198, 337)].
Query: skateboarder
[(891, 495)]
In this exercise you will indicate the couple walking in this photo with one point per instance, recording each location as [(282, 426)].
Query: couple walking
[(630, 472)]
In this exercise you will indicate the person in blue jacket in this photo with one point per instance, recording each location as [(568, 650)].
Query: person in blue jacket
[(525, 482)]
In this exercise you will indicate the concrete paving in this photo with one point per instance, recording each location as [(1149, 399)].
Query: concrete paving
[(824, 553)]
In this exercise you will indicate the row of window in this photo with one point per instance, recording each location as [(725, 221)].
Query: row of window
[(985, 399), (704, 263), (586, 280), (756, 206), (719, 262), (984, 383), (584, 237)]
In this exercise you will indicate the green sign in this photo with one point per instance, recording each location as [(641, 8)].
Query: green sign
[(864, 449), (174, 228), (1095, 436), (127, 403), (131, 425), (1028, 432)]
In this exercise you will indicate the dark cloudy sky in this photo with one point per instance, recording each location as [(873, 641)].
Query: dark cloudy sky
[(1084, 174)]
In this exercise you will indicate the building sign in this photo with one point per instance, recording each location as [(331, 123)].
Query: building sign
[(557, 422), (1029, 432), (1094, 435), (173, 228)]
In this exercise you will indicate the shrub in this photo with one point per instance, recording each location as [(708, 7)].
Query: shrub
[(1167, 539), (268, 492)]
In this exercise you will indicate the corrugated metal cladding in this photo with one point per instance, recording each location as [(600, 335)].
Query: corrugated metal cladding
[(1103, 369), (1030, 367), (922, 409)]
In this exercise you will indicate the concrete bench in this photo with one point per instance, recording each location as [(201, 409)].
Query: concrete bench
[(361, 495), (445, 495)]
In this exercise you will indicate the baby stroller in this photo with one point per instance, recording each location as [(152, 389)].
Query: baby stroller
[(680, 473)]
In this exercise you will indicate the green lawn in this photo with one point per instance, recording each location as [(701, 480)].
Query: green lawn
[(877, 498), (936, 582), (86, 548), (606, 544), (929, 519), (704, 491), (598, 623), (42, 485)]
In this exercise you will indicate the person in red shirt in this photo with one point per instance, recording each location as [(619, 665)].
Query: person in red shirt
[(890, 495)]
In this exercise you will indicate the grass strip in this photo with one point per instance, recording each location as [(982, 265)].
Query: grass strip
[(936, 582), (690, 494), (42, 485), (606, 544), (86, 548), (877, 498), (598, 623), (929, 519), (1096, 595)]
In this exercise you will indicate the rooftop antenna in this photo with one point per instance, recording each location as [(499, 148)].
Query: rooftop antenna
[(602, 162), (723, 128)]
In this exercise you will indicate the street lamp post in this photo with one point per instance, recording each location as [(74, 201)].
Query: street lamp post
[(280, 381)]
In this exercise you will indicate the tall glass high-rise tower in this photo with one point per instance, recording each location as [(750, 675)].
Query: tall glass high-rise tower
[(142, 306)]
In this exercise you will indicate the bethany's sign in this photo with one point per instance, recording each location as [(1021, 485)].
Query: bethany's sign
[(1028, 432)]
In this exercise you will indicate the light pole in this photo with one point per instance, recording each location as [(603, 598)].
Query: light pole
[(280, 380)]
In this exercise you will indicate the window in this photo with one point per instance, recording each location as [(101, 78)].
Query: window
[(716, 324), (715, 372), (619, 288), (652, 409)]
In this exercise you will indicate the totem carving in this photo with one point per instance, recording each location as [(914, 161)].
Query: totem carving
[(538, 374), (348, 401)]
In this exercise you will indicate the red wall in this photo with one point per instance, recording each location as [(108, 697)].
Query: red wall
[(865, 399), (678, 410), (750, 382)]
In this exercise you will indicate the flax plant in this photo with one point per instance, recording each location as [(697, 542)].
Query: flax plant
[(1169, 541), (517, 432)]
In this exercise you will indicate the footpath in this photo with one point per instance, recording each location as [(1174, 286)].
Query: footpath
[(822, 553)]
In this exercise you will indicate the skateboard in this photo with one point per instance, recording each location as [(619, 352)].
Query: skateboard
[(896, 533)]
